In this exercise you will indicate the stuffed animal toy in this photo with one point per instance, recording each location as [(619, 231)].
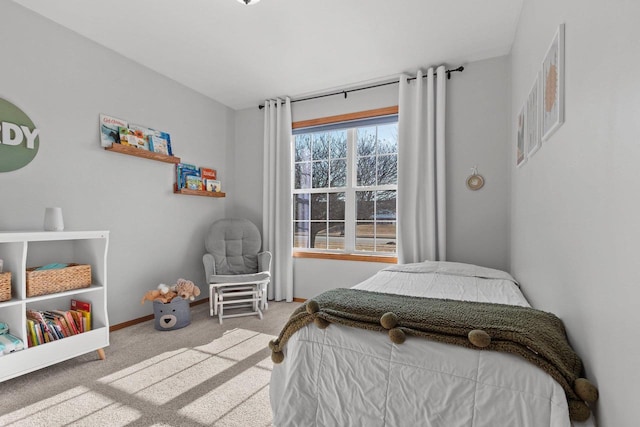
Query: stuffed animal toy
[(157, 295), (186, 289)]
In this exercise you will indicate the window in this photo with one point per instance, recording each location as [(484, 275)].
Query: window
[(345, 185)]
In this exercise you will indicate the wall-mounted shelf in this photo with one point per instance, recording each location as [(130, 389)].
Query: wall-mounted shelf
[(138, 152), (197, 192)]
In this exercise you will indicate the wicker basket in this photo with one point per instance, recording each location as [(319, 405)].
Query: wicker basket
[(43, 282), (5, 286)]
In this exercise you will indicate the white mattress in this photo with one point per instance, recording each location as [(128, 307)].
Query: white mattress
[(342, 376)]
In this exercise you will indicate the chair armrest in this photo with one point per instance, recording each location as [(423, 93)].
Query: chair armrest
[(209, 266), (264, 261)]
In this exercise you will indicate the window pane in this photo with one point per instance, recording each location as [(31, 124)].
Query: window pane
[(388, 169), (321, 146), (301, 207), (338, 144), (385, 237), (303, 175), (320, 174), (335, 235), (366, 173), (319, 235), (365, 204), (301, 234), (388, 139), (319, 206), (365, 238), (366, 141), (303, 147), (338, 173), (385, 205), (336, 206)]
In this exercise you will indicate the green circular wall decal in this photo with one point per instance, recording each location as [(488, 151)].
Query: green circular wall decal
[(19, 140)]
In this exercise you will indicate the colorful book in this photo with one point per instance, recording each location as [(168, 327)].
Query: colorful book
[(69, 321), (31, 333), (208, 173), (78, 320), (83, 307), (29, 339), (182, 170), (213, 185), (60, 321), (55, 329), (40, 320), (193, 182), (80, 305), (109, 130), (160, 142), (134, 136)]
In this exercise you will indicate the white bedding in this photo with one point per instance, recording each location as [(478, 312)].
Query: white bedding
[(343, 376)]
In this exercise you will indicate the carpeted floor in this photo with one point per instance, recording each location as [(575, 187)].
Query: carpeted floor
[(205, 374)]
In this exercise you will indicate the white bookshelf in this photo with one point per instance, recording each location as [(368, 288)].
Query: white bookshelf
[(21, 250)]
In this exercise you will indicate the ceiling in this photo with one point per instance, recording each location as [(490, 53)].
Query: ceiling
[(239, 55)]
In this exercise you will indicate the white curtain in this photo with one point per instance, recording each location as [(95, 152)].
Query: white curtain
[(277, 199), (421, 168)]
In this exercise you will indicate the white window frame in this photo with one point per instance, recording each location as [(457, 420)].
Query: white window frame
[(350, 197)]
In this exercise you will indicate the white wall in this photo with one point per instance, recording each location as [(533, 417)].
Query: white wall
[(575, 204), (63, 82), (477, 128)]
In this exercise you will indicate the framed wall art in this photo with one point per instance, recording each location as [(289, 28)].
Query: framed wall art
[(520, 153), (532, 135), (553, 85)]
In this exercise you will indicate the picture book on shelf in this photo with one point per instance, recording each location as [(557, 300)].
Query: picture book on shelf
[(160, 142), (194, 182), (208, 173), (83, 308), (134, 137), (80, 305), (182, 170), (109, 130), (213, 185)]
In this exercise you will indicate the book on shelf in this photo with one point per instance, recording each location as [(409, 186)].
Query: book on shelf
[(134, 136), (182, 170), (31, 333), (83, 308), (60, 321), (76, 304), (194, 182), (42, 323), (213, 185), (208, 173), (160, 142), (109, 130)]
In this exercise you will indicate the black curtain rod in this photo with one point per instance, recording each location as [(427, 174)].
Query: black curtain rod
[(345, 92)]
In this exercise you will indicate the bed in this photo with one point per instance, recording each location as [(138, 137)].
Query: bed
[(348, 376)]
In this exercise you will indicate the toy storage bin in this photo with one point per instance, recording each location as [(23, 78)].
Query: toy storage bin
[(172, 315)]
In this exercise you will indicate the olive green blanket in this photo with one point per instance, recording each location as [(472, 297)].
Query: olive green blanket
[(537, 336)]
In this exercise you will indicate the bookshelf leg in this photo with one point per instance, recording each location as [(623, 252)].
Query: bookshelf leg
[(101, 354)]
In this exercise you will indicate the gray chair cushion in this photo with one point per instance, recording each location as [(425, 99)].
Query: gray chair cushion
[(234, 244)]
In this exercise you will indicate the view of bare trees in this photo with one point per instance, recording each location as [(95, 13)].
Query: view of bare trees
[(321, 162)]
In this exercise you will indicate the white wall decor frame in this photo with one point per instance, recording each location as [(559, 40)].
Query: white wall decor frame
[(520, 136), (553, 85), (532, 135)]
